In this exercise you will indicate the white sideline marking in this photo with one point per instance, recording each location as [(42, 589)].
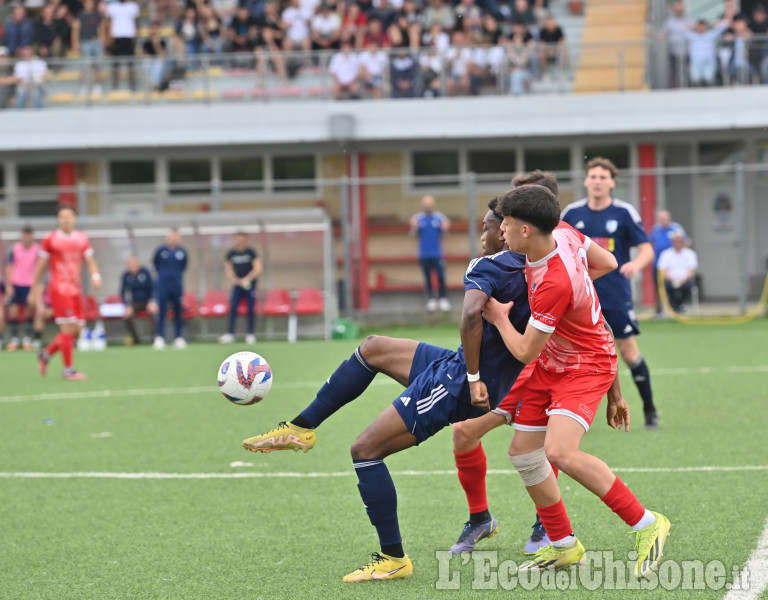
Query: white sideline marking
[(318, 383), (755, 572), (315, 475)]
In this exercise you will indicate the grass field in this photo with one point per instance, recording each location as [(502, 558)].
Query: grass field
[(128, 485)]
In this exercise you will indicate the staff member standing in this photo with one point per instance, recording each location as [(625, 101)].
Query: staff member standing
[(170, 261), (243, 267)]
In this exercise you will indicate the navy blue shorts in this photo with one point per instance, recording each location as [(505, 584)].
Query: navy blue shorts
[(426, 354), (426, 406), (622, 321), (20, 294)]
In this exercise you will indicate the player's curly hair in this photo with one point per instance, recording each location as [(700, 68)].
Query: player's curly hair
[(605, 163), (493, 206), (537, 177), (532, 204)]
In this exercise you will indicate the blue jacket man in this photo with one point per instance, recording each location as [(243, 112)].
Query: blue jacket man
[(170, 261)]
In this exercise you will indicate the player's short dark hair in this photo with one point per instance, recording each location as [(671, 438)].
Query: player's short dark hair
[(493, 206), (605, 163), (537, 177), (66, 207), (27, 229), (532, 204)]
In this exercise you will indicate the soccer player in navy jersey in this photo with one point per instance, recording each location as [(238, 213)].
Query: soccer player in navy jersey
[(616, 226), (442, 387)]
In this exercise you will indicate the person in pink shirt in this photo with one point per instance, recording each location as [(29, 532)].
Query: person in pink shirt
[(64, 251), (19, 272)]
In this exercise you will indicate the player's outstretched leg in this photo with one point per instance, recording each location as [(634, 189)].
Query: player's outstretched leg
[(649, 544), (377, 354), (386, 435)]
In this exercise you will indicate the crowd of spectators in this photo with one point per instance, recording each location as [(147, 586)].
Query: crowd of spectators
[(406, 42), (730, 51)]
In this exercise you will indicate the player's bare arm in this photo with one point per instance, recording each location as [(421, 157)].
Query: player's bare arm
[(256, 268), (645, 255), (35, 292), (471, 329), (600, 261), (617, 410), (525, 347), (93, 270)]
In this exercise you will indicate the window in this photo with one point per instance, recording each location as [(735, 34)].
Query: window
[(294, 173), (548, 159), (618, 155), (132, 172), (242, 174), (41, 175), (496, 162), (189, 176), (426, 164), (41, 208), (718, 153)]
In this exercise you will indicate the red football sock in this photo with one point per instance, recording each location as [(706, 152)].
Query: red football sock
[(54, 346), (472, 468), (66, 343), (555, 469), (624, 503), (555, 521)]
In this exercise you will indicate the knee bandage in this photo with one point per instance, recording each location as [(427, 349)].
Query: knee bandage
[(533, 467)]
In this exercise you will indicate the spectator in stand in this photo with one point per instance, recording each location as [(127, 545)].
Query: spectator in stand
[(242, 31), (737, 42), (170, 262), (309, 8), (18, 30), (212, 33), (406, 30), (354, 23), (7, 80), (62, 24), (224, 9), (404, 71), (188, 35), (478, 67), (345, 68), (440, 13), (296, 30), (242, 266), (123, 18), (678, 266), (325, 28), (384, 12), (458, 57), (88, 40), (432, 63), (522, 12), (702, 49), (758, 51), (491, 31), (469, 16), (677, 45), (661, 238), (45, 32), (376, 34), (155, 52), (272, 35), (373, 63), (519, 55), (30, 73), (430, 225), (136, 283), (552, 49)]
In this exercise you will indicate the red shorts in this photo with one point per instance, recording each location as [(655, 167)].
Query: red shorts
[(576, 394), (67, 309), (508, 406)]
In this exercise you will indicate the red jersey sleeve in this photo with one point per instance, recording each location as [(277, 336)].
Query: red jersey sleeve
[(87, 248), (549, 302), (45, 247)]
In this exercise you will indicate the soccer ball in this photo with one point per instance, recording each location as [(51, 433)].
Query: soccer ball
[(245, 378)]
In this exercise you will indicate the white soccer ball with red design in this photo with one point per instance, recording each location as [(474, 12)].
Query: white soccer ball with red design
[(245, 378)]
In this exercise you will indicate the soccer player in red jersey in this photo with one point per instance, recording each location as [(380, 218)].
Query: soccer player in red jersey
[(575, 365), (64, 251)]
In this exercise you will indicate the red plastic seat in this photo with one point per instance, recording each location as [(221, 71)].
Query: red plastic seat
[(309, 302), (277, 303), (215, 304), (189, 306), (90, 308)]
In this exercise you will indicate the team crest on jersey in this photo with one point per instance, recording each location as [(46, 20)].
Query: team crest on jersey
[(611, 225)]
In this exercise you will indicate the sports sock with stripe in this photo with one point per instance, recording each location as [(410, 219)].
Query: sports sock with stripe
[(380, 499), (642, 378)]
